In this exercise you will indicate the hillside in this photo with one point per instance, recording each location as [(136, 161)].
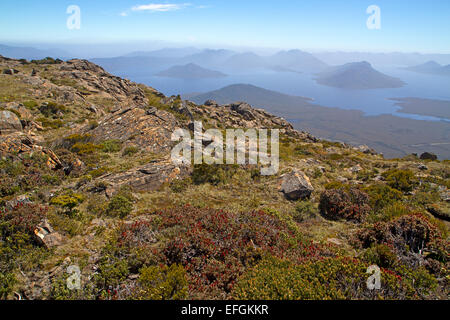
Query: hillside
[(87, 181), (357, 76)]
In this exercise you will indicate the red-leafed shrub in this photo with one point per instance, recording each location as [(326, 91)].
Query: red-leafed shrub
[(410, 236), (23, 218), (338, 204), (216, 247)]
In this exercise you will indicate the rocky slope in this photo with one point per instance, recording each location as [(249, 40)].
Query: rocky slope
[(87, 181)]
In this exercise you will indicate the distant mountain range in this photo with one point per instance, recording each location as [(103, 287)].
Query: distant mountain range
[(431, 67), (30, 53), (221, 59), (297, 61), (190, 71), (381, 58), (165, 53), (358, 76)]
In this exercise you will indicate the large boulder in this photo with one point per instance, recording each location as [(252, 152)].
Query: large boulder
[(9, 122), (428, 156), (296, 185)]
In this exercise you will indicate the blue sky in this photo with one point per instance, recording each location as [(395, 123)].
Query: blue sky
[(408, 26)]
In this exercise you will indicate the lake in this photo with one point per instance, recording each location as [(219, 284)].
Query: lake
[(371, 102)]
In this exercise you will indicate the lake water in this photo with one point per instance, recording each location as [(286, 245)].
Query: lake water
[(371, 102)]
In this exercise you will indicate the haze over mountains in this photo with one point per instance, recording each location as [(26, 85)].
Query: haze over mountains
[(431, 67), (221, 59), (207, 68), (31, 53)]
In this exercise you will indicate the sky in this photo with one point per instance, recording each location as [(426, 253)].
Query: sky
[(406, 25)]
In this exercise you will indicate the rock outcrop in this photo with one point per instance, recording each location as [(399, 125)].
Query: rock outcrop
[(150, 130), (148, 177)]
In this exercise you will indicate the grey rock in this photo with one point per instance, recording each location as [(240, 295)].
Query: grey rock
[(211, 103), (296, 185), (243, 109), (9, 122)]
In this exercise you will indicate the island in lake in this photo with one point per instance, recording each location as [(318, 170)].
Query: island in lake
[(357, 76), (190, 71)]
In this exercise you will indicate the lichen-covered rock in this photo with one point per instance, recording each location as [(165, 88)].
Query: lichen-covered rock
[(296, 185), (148, 177), (150, 131), (9, 122)]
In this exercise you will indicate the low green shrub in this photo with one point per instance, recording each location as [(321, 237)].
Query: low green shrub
[(67, 201), (402, 180), (213, 174), (50, 109), (162, 283), (328, 278), (381, 255), (85, 148), (111, 146), (129, 151), (180, 185), (304, 210), (47, 60), (30, 104), (381, 195), (119, 206)]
